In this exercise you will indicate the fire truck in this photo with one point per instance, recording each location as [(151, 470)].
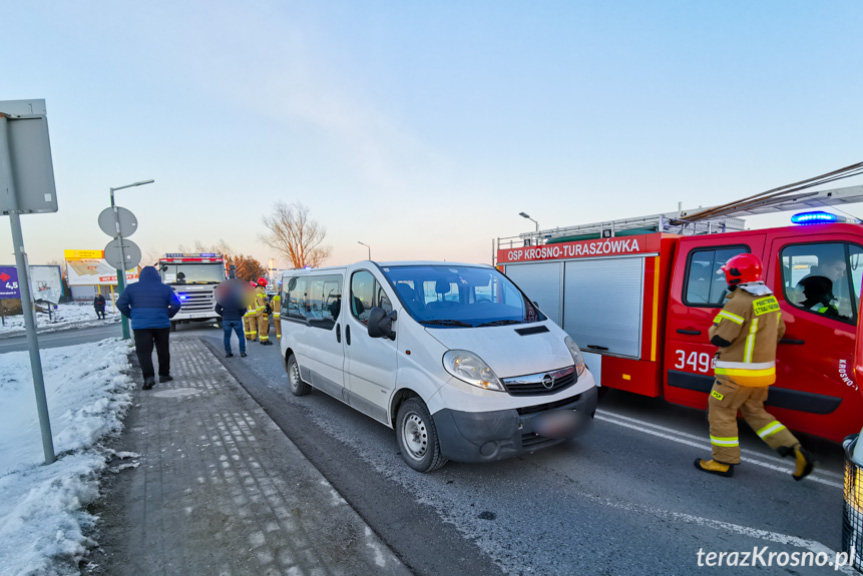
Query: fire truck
[(194, 278), (639, 295)]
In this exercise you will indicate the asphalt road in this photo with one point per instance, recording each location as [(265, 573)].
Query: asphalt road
[(625, 499), (62, 338)]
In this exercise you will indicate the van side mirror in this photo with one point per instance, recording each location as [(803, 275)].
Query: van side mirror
[(381, 323)]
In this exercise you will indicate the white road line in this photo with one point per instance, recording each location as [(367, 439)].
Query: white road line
[(702, 439), (703, 445)]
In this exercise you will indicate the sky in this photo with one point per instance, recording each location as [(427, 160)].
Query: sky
[(423, 128)]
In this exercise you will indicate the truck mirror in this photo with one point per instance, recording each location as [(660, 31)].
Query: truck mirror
[(381, 323)]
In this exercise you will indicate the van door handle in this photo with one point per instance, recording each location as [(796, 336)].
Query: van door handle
[(793, 341), (690, 332), (338, 332), (348, 335), (595, 347)]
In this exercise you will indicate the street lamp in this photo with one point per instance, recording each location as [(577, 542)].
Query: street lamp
[(121, 274), (523, 215), (367, 246)]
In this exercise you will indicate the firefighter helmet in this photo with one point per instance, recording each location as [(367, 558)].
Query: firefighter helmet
[(262, 282), (741, 269), (252, 284)]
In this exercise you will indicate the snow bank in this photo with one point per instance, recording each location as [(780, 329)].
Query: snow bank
[(42, 521), (66, 316)]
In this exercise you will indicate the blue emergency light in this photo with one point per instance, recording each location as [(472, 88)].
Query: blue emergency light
[(816, 217)]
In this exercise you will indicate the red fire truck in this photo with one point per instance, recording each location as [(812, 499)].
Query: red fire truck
[(639, 302), (194, 278)]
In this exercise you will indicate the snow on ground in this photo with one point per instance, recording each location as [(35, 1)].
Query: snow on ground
[(66, 315), (42, 516)]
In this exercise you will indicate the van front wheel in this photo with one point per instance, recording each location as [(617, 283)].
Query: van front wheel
[(298, 387), (417, 436)]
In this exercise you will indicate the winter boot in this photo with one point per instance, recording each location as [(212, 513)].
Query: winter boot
[(714, 467), (149, 382)]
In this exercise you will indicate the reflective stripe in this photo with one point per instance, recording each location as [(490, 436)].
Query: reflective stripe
[(732, 441), (276, 314), (750, 341), (744, 372), (771, 429), (728, 315), (745, 365)]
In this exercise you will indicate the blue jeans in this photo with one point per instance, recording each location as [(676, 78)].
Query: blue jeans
[(236, 326)]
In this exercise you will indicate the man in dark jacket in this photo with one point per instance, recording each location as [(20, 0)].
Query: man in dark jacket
[(151, 305), (230, 306), (99, 305)]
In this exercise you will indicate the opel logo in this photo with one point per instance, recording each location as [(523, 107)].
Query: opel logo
[(548, 381)]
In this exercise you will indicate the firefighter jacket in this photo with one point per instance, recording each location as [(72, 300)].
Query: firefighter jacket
[(251, 306), (747, 330), (260, 301), (276, 303)]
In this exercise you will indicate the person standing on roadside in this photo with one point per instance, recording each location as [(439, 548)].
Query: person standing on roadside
[(150, 305), (261, 305), (746, 331), (99, 305), (250, 319), (231, 308)]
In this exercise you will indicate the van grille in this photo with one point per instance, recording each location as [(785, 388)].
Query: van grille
[(550, 406), (541, 384)]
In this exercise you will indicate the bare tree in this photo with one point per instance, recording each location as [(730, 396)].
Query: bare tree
[(293, 234), (247, 267)]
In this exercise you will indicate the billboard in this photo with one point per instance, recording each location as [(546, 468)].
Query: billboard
[(45, 284), (89, 268), (9, 283)]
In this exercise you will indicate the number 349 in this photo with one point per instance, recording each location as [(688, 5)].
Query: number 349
[(693, 361)]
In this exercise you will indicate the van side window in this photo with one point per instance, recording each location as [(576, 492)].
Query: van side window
[(314, 299), (823, 278), (295, 299), (367, 293), (704, 284)]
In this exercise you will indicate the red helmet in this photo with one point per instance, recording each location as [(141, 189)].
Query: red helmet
[(252, 284), (262, 282), (741, 269)]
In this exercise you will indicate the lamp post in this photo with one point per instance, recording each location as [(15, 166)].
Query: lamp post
[(523, 215), (367, 246), (121, 274)]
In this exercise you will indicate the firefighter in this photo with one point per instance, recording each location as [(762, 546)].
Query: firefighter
[(250, 318), (277, 312), (746, 331), (262, 304)]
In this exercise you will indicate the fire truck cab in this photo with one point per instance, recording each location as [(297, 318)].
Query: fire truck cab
[(194, 278), (639, 305)]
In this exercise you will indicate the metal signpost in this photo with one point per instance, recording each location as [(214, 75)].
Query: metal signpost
[(26, 187), (124, 254)]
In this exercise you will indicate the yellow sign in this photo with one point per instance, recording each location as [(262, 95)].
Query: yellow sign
[(83, 254)]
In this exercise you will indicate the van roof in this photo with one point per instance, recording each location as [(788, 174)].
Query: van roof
[(384, 265)]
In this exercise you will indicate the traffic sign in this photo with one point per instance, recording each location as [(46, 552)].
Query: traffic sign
[(127, 222), (130, 250)]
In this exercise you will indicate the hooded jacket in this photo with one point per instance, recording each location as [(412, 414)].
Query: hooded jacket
[(148, 302)]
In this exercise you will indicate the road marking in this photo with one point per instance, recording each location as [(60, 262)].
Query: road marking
[(702, 439), (702, 444)]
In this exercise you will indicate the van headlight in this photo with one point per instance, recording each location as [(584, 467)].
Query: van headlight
[(468, 367), (577, 358)]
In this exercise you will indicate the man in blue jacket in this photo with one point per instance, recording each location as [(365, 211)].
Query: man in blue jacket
[(151, 305)]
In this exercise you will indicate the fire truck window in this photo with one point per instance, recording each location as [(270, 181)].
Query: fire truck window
[(705, 281), (823, 278)]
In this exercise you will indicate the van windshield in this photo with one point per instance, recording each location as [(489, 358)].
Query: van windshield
[(460, 296)]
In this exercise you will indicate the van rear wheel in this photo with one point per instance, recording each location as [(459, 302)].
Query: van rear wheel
[(417, 437), (298, 387)]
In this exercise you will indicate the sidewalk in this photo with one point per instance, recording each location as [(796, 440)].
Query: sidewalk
[(220, 490)]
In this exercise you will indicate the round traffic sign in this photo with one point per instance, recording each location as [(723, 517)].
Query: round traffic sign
[(125, 220), (130, 250)]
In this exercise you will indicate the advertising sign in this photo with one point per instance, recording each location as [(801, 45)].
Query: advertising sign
[(45, 284), (581, 249), (88, 268), (9, 283)]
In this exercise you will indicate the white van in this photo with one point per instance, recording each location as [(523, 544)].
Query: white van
[(454, 357)]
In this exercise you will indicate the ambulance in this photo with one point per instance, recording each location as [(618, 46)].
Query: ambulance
[(638, 297)]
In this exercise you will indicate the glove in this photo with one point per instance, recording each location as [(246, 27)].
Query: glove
[(269, 309)]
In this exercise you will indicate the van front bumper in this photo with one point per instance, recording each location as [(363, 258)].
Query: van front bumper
[(490, 436)]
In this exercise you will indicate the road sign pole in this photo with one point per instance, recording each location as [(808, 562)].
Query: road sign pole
[(7, 187), (121, 274)]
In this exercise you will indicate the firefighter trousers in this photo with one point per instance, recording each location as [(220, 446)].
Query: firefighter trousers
[(250, 327), (264, 327), (725, 400)]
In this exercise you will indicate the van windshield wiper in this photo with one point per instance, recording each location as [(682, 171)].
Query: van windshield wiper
[(446, 323), (500, 323)]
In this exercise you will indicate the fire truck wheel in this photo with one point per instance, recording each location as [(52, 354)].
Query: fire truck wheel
[(298, 387), (417, 437)]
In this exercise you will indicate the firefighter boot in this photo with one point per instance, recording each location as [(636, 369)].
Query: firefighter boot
[(803, 460), (714, 467)]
